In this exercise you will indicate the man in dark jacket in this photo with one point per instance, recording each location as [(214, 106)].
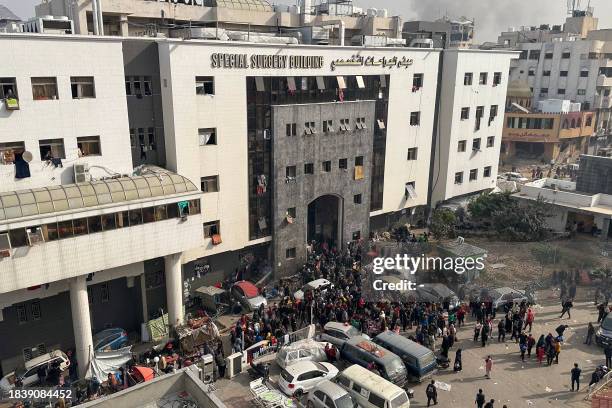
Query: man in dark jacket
[(490, 404), (432, 393), (576, 377), (480, 399)]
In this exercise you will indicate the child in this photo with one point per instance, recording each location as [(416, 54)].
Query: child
[(540, 354)]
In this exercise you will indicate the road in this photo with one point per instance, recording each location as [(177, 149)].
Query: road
[(512, 382)]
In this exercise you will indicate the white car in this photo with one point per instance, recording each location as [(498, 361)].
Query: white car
[(300, 378), (321, 284), (28, 376), (513, 176), (338, 333)]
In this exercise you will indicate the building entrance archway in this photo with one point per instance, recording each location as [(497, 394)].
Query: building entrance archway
[(325, 220)]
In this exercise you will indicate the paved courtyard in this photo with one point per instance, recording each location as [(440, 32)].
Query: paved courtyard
[(513, 383)]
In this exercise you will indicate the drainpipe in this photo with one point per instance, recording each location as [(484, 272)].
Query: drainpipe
[(94, 14), (100, 21), (341, 28)]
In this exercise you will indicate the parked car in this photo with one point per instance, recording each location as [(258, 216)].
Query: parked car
[(365, 352), (300, 378), (28, 375), (302, 350), (603, 336), (442, 293), (506, 295), (338, 333), (248, 295), (327, 394), (110, 339), (513, 176), (321, 284), (368, 390)]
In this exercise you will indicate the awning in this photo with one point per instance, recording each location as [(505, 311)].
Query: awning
[(259, 84), (291, 83), (320, 83), (410, 191), (341, 83), (360, 82)]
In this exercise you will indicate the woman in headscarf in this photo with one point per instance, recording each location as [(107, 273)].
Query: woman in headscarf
[(458, 366)]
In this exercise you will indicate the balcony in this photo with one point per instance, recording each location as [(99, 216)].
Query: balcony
[(603, 80), (602, 102)]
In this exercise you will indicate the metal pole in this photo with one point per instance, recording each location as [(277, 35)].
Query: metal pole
[(94, 14)]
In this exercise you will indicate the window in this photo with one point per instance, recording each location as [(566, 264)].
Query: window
[(8, 88), (211, 228), (360, 123), (291, 129), (35, 309), (415, 118), (290, 253), (465, 113), (490, 141), (89, 146), (531, 72), (310, 128), (22, 314), (209, 184), (359, 161), (588, 121), (468, 78), (417, 81), (376, 400), (566, 55), (135, 217), (492, 113), (343, 164), (546, 73), (561, 91), (205, 85), (44, 88), (326, 166), (461, 145), (148, 91), (479, 115), (82, 87), (497, 77), (483, 78), (473, 174), (79, 226), (459, 177), (290, 172), (584, 73), (344, 125), (543, 90), (51, 149), (523, 54), (487, 172), (534, 54), (128, 86), (357, 199), (328, 126), (476, 144), (548, 55), (291, 212), (9, 151), (207, 136), (581, 92), (308, 168), (137, 87), (104, 292), (412, 153), (563, 73)]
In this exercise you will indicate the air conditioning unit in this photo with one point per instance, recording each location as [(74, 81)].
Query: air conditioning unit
[(81, 173)]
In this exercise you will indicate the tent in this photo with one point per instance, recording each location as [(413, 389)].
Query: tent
[(105, 362)]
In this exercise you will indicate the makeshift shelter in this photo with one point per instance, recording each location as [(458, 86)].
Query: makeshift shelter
[(460, 249)]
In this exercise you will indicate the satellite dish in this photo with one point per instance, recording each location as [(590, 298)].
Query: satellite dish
[(27, 156)]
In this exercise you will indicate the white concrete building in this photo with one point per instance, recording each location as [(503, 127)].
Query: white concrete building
[(468, 143)]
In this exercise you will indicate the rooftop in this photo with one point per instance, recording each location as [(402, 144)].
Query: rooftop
[(52, 199)]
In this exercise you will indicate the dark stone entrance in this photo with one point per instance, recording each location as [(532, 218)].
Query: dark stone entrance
[(325, 221)]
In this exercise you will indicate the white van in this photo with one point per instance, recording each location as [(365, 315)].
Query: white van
[(28, 375), (370, 390)]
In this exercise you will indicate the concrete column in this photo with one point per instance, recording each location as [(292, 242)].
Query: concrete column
[(81, 323), (143, 292), (123, 26), (174, 289)]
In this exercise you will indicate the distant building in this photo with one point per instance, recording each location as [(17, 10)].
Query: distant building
[(414, 32), (461, 32), (8, 20)]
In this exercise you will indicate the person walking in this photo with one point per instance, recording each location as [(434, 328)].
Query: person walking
[(557, 345), (530, 343), (485, 334), (523, 350), (488, 366), (566, 308), (608, 354), (576, 377), (529, 319), (501, 331), (458, 366), (590, 333), (477, 329), (432, 393), (550, 354), (480, 399)]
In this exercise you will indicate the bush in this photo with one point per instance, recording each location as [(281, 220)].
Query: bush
[(443, 222)]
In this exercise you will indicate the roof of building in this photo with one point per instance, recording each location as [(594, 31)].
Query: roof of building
[(47, 200), (254, 5), (6, 14)]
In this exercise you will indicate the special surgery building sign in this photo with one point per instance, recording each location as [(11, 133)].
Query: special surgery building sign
[(267, 61)]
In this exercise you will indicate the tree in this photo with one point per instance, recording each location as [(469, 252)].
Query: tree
[(443, 222)]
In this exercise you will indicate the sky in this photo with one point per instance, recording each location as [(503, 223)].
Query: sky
[(491, 16)]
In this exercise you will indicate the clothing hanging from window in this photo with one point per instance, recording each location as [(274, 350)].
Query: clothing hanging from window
[(22, 168)]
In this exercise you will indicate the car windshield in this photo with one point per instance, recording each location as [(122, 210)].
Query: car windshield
[(286, 376), (352, 331), (399, 401), (344, 402), (395, 365), (607, 323), (321, 367)]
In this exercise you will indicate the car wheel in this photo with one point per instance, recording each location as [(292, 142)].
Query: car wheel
[(298, 393)]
